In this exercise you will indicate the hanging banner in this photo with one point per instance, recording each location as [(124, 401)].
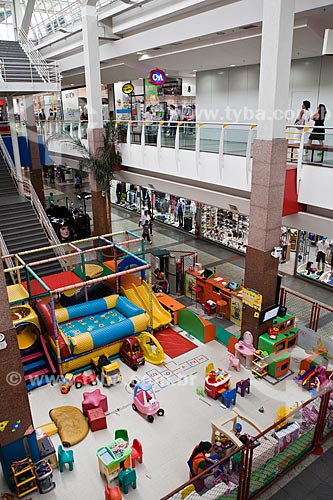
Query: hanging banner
[(252, 298)]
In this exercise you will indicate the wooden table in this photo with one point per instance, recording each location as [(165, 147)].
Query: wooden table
[(171, 305), (215, 289)]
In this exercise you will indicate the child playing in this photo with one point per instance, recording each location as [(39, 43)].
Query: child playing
[(146, 232)]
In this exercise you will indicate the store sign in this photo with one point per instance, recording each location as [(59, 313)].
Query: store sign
[(157, 77), (128, 88), (252, 298)]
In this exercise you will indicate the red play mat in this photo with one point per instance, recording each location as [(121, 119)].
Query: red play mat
[(174, 344), (53, 281)]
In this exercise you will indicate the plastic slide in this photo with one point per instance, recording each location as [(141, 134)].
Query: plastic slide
[(140, 296), (302, 379), (151, 348)]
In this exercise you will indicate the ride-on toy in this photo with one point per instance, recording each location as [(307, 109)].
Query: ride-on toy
[(131, 353), (84, 379), (145, 402)]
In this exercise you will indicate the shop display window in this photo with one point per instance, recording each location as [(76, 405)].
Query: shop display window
[(225, 227), (315, 257), (173, 210)]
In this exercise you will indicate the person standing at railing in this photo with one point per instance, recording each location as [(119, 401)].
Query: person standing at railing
[(318, 134), (303, 117)]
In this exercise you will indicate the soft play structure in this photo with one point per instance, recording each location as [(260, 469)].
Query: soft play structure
[(151, 348), (140, 295), (201, 329), (90, 329)]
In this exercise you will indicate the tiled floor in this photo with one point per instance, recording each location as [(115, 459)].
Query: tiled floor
[(168, 442)]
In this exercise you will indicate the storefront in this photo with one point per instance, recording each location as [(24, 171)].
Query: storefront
[(303, 254), (315, 258), (173, 210)]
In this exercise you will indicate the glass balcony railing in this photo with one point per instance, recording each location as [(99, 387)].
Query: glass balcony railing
[(304, 145)]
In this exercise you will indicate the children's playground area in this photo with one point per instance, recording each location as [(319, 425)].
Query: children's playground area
[(211, 384)]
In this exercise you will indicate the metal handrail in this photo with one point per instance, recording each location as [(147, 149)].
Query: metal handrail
[(31, 194), (7, 258), (47, 71)]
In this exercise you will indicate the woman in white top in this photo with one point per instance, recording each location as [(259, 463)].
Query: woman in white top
[(304, 115)]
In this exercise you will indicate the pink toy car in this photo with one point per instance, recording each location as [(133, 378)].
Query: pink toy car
[(145, 401)]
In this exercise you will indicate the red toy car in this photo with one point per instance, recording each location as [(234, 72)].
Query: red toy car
[(84, 379), (131, 353)]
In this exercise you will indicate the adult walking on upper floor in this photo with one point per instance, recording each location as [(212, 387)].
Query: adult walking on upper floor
[(173, 120)]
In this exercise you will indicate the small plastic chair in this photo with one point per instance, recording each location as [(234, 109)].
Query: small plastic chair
[(65, 457), (121, 433), (234, 363), (113, 493), (126, 478), (228, 397), (137, 452)]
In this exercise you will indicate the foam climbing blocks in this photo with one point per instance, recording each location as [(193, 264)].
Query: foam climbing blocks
[(93, 400), (97, 419), (202, 330)]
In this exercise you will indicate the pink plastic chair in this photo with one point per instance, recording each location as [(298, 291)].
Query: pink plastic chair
[(234, 363)]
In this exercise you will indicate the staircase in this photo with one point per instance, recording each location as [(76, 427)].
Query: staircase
[(20, 226), (37, 366), (15, 64)]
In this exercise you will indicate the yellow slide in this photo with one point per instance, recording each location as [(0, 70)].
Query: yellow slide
[(151, 348), (139, 295)]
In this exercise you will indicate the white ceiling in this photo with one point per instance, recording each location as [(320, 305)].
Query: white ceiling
[(234, 46)]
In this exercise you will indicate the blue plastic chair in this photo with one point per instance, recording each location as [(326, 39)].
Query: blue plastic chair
[(65, 457), (125, 478), (228, 397)]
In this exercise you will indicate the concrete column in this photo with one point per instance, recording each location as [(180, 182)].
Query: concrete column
[(269, 159), (100, 200), (92, 64), (36, 173), (15, 144)]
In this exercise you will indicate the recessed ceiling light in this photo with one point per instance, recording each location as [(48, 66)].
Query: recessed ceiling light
[(140, 53), (195, 70), (232, 65)]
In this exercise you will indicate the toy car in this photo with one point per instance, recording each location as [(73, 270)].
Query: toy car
[(145, 402), (131, 353), (108, 372), (84, 379)]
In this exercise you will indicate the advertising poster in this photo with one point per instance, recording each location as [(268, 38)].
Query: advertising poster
[(70, 103), (151, 92), (252, 298), (236, 311), (190, 282)]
